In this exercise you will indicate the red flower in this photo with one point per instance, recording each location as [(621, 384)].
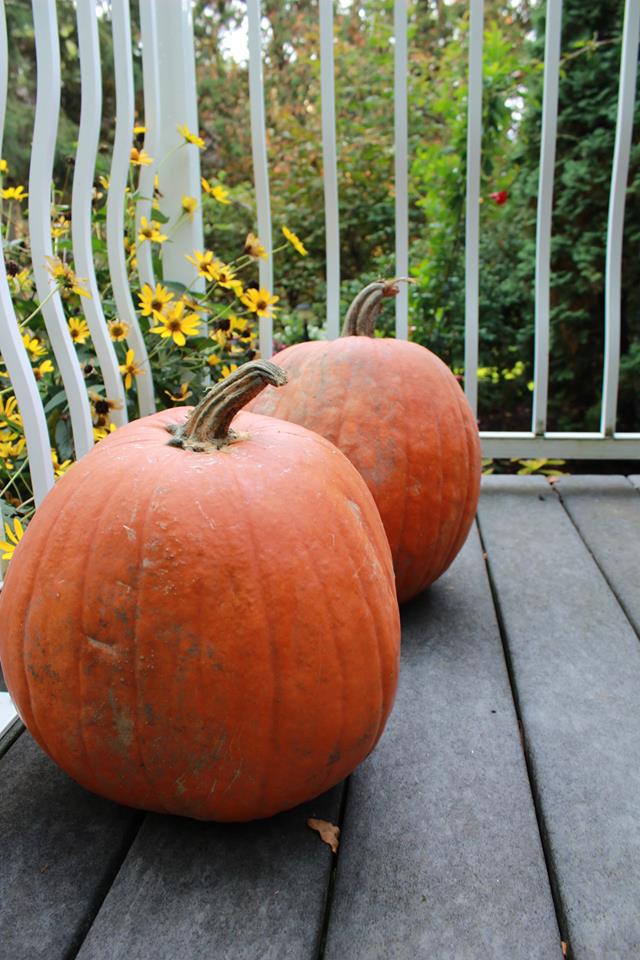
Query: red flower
[(500, 197)]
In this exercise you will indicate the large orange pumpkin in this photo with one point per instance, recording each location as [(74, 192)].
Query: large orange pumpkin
[(181, 634), (400, 416)]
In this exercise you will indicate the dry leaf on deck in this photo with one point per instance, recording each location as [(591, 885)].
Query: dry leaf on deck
[(328, 832)]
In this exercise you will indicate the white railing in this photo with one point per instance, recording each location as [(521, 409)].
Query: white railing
[(170, 98)]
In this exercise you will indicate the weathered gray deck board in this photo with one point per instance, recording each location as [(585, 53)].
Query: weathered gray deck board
[(205, 891), (606, 511), (59, 850), (440, 854), (576, 664)]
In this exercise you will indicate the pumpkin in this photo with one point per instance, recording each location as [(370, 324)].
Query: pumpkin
[(180, 634), (400, 416)]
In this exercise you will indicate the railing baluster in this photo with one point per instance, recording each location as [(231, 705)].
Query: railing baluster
[(178, 170), (12, 348), (116, 198), (330, 168), (615, 226), (401, 70), (260, 170), (151, 80), (40, 176), (472, 227), (81, 202), (553, 31)]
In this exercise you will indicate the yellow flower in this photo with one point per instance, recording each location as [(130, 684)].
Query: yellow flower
[(35, 347), (139, 158), (79, 329), (219, 193), (129, 369), (60, 227), (138, 129), (190, 137), (176, 326), (223, 274), (152, 303), (118, 330), (59, 468), (66, 278), (9, 451), (239, 326), (204, 263), (228, 370), (4, 166), (102, 408), (9, 415), (13, 538), (14, 193), (104, 181), (260, 302), (213, 360), (295, 241), (150, 231), (182, 394), (21, 282), (253, 247), (45, 367), (189, 205), (220, 337)]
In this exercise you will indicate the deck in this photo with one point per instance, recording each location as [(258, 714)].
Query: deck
[(498, 817)]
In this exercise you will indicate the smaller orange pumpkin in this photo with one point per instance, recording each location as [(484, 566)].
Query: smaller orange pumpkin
[(179, 633), (399, 414)]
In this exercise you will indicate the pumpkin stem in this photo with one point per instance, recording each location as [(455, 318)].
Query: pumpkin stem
[(208, 426), (364, 311)]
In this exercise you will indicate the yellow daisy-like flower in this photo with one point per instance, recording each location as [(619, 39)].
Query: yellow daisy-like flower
[(227, 370), (59, 468), (79, 329), (150, 231), (14, 193), (223, 274), (204, 263), (102, 408), (139, 158), (182, 394), (66, 278), (189, 137), (60, 227), (9, 416), (239, 326), (9, 451), (129, 369), (260, 302), (213, 360), (220, 337), (35, 347), (295, 241), (139, 129), (118, 330), (104, 182), (219, 193), (177, 327), (45, 367), (21, 282), (253, 247), (14, 536), (189, 205), (153, 302), (4, 166)]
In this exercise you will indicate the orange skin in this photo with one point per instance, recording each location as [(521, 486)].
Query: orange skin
[(400, 416), (208, 634)]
